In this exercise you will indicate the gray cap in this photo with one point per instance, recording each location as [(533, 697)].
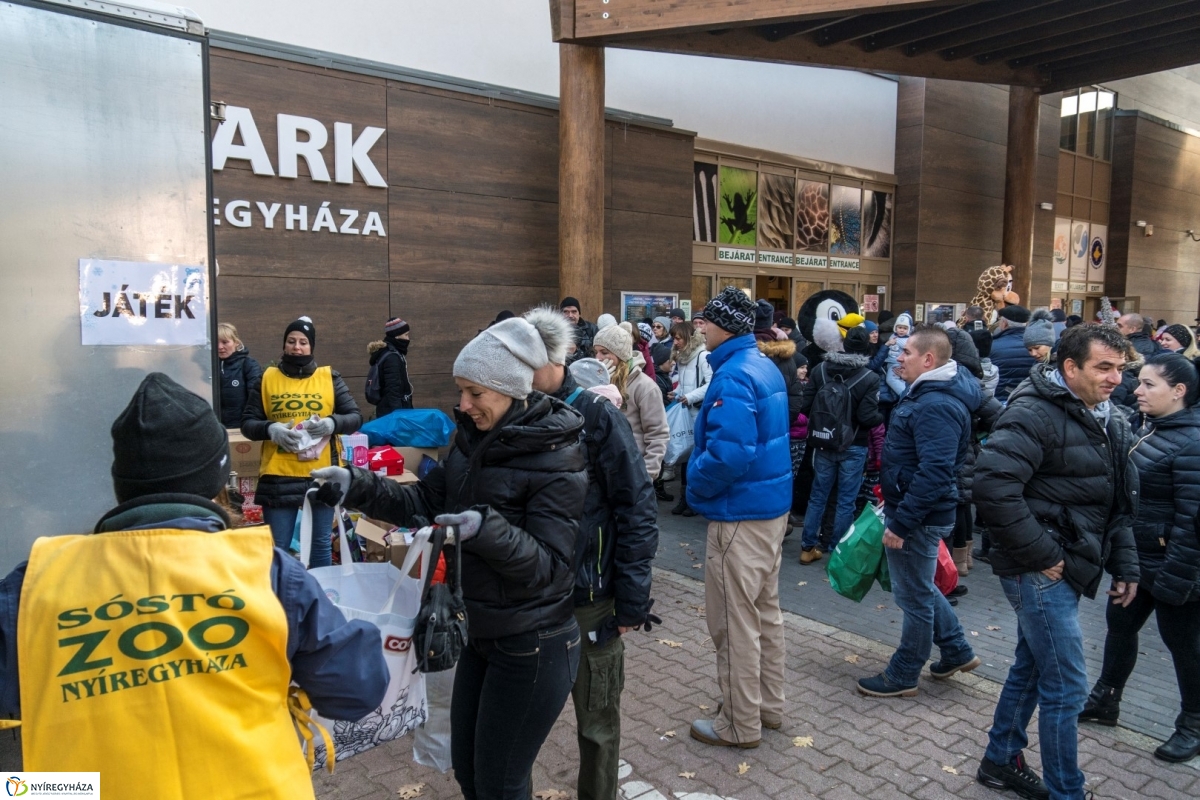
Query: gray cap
[(503, 358), (589, 372)]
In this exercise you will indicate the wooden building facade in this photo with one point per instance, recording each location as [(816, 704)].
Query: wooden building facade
[(462, 221)]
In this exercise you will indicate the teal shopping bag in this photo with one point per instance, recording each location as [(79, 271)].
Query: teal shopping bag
[(855, 561)]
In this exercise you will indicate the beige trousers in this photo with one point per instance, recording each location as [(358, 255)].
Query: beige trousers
[(741, 598)]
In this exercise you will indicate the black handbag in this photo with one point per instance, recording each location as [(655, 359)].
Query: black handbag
[(441, 630)]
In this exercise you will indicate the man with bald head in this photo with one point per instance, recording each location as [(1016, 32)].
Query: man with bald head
[(1133, 327)]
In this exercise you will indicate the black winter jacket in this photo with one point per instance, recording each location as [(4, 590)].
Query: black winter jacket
[(585, 332), (528, 477), (1144, 345), (864, 395), (618, 534), (1166, 454), (982, 421), (928, 441), (278, 491), (1052, 486), (238, 373), (965, 354), (783, 355), (395, 388)]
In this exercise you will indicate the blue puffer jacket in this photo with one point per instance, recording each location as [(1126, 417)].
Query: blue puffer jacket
[(1012, 359), (741, 466), (928, 440)]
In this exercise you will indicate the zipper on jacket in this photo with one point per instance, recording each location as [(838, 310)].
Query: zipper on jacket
[(599, 556)]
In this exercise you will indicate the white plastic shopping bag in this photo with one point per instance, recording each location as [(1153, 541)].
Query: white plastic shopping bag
[(679, 446), (431, 743), (390, 599)]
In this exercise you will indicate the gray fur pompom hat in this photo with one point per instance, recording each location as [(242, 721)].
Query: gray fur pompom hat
[(503, 358)]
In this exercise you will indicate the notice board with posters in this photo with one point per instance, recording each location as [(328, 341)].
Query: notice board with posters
[(104, 163), (636, 306)]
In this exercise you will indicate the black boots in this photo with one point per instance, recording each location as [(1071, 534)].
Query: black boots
[(1184, 743), (660, 491), (1103, 706)]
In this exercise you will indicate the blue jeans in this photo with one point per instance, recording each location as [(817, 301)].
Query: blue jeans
[(1049, 673), (508, 692), (846, 470), (928, 617), (282, 522)]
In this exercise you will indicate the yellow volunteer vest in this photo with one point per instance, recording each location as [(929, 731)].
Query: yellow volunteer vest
[(158, 658), (295, 400)]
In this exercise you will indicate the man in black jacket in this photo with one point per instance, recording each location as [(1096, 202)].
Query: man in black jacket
[(1056, 488), (618, 537), (1134, 328), (584, 331)]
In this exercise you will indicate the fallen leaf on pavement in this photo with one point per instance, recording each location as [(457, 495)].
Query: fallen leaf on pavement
[(974, 633), (683, 544), (802, 583), (993, 627), (551, 794), (881, 605), (703, 707), (410, 791), (669, 643), (743, 768), (669, 735), (853, 659), (697, 566), (688, 775), (950, 769), (802, 741)]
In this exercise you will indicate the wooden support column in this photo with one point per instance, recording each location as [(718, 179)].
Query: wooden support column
[(1024, 105), (581, 176)]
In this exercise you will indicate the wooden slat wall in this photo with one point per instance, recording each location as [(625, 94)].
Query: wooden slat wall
[(951, 141), (1154, 179), (470, 210)]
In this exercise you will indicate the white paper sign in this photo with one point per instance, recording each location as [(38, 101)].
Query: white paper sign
[(134, 303)]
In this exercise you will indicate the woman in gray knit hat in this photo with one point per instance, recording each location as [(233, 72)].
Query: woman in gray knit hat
[(1039, 337), (513, 485)]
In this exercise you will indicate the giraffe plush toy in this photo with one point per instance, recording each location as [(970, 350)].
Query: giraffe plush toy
[(993, 292)]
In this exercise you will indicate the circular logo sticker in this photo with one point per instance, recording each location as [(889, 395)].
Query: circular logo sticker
[(1097, 253)]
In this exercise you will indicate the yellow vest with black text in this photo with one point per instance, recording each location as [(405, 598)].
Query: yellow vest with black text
[(295, 400), (158, 658)]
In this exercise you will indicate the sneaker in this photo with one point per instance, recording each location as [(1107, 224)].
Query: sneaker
[(882, 686), (810, 554), (1013, 775), (941, 670)]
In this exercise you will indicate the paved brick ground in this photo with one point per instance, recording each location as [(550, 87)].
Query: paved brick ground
[(1151, 697), (926, 747)]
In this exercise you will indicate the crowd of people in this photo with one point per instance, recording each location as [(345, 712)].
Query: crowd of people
[(1073, 447)]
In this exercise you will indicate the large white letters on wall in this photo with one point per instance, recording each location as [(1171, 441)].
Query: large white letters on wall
[(134, 303)]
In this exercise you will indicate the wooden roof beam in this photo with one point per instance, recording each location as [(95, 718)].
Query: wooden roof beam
[(745, 44), (621, 18), (782, 30), (1132, 31), (1099, 22), (1043, 13), (867, 24), (1073, 74), (965, 16)]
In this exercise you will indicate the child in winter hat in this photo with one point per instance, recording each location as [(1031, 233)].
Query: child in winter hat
[(503, 358)]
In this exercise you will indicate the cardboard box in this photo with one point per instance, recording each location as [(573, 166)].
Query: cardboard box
[(379, 546), (245, 456)]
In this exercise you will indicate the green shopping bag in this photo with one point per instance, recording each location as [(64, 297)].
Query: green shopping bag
[(855, 561)]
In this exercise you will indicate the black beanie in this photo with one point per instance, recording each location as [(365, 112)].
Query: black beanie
[(569, 301), (168, 440), (305, 326), (1018, 315), (857, 341), (732, 310), (764, 316)]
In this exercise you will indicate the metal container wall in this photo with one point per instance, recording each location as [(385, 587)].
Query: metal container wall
[(102, 155)]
